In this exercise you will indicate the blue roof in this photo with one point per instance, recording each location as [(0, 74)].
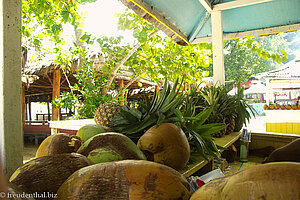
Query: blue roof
[(190, 20)]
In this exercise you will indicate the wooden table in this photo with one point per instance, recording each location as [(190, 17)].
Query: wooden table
[(69, 125), (224, 141)]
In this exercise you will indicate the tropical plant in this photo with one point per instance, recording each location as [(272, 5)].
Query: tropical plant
[(224, 108), (193, 124), (86, 94), (243, 111), (133, 122)]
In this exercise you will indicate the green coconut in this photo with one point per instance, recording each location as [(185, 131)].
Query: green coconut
[(90, 130), (110, 146), (104, 155)]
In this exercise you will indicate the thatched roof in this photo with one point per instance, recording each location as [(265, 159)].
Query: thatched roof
[(38, 78)]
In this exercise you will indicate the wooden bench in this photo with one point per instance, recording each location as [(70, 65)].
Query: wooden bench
[(36, 132)]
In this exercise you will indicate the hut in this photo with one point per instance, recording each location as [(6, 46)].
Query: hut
[(44, 81)]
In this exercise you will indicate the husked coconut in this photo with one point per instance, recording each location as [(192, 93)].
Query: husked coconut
[(288, 153), (47, 173), (57, 144), (272, 181), (166, 144), (126, 180)]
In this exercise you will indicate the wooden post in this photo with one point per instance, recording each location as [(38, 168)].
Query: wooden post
[(125, 96), (48, 109), (23, 107), (29, 109), (120, 87), (218, 46), (55, 93)]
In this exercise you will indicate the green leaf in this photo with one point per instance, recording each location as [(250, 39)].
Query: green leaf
[(139, 84)]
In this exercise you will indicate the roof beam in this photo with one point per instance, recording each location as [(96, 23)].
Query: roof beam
[(156, 18), (258, 32), (206, 5), (236, 4)]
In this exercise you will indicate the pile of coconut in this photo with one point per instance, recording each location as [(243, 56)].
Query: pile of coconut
[(100, 164)]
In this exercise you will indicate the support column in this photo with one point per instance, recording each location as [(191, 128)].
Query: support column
[(125, 96), (48, 109), (11, 140), (120, 87), (29, 110), (55, 93), (23, 108), (218, 48)]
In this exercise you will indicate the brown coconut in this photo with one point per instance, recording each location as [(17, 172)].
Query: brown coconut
[(166, 144), (126, 180), (18, 193), (57, 144), (288, 153), (268, 181), (47, 174)]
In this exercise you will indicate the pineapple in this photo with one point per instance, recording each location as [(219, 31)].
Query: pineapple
[(230, 128), (272, 107), (266, 107), (106, 112), (224, 110), (243, 111)]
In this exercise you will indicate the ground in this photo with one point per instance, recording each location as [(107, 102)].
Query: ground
[(238, 166), (29, 151)]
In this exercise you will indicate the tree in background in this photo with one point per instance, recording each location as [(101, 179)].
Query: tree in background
[(152, 54), (247, 56)]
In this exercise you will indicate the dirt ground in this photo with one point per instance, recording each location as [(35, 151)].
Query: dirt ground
[(29, 151)]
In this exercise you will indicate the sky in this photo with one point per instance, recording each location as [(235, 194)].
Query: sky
[(99, 19)]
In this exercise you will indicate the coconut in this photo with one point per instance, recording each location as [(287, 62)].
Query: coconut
[(166, 144), (47, 174), (268, 181), (90, 130), (126, 180), (57, 144), (289, 152), (110, 146), (18, 193)]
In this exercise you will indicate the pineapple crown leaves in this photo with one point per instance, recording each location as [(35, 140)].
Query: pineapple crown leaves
[(134, 121), (197, 132), (243, 110)]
